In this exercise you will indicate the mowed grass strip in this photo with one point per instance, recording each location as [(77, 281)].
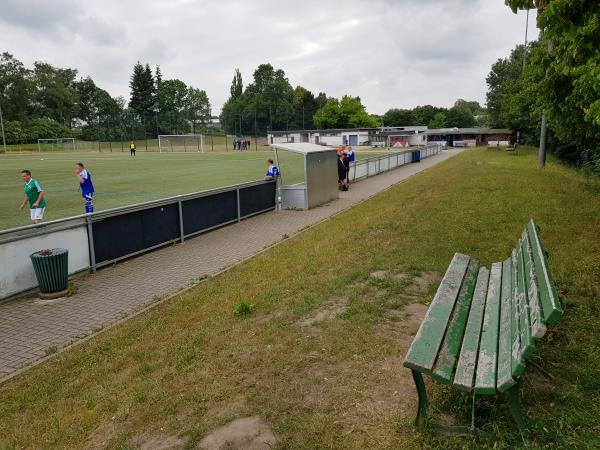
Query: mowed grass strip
[(320, 355)]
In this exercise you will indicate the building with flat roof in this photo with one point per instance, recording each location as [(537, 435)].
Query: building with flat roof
[(375, 137), (471, 137)]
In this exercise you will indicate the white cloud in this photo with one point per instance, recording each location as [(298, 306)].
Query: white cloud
[(391, 53)]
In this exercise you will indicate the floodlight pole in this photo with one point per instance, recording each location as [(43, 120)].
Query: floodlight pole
[(2, 126)]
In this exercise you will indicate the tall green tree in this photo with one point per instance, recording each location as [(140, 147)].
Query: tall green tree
[(16, 88), (305, 106), (171, 101), (397, 117), (197, 107), (266, 103), (143, 88), (438, 121), (55, 96), (237, 86), (349, 112)]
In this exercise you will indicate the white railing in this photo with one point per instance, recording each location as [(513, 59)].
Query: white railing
[(369, 167)]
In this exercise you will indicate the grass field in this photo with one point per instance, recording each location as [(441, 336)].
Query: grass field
[(178, 371), (121, 180)]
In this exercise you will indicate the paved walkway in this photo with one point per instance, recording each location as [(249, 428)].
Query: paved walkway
[(30, 329)]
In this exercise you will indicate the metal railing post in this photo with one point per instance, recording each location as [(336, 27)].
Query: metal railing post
[(239, 209), (90, 233), (181, 231)]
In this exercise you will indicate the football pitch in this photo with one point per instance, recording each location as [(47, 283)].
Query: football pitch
[(120, 179)]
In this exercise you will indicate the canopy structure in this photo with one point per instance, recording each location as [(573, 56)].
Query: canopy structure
[(319, 181)]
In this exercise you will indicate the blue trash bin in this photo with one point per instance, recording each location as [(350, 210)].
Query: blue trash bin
[(416, 155)]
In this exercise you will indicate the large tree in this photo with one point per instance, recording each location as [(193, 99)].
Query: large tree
[(143, 89), (266, 103), (16, 88), (305, 106), (567, 90), (55, 96), (348, 112), (397, 117)]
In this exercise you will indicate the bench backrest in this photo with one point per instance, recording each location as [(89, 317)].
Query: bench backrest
[(482, 324)]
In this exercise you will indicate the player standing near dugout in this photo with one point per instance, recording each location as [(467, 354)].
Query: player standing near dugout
[(85, 186), (34, 194), (272, 170), (349, 159), (132, 149)]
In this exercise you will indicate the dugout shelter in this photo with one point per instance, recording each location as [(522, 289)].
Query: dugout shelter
[(320, 176)]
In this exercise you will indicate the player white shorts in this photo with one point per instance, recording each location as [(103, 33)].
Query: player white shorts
[(37, 213)]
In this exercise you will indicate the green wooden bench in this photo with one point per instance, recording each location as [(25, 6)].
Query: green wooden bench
[(481, 328)]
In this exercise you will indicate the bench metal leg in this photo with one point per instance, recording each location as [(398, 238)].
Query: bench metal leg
[(422, 407), (516, 410)]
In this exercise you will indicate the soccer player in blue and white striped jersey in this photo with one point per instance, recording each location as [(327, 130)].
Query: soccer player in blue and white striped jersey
[(85, 186), (272, 170)]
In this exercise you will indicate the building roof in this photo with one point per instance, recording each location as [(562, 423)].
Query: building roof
[(332, 130), (446, 131), (303, 148)]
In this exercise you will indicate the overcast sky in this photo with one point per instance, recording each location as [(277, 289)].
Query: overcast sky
[(391, 53)]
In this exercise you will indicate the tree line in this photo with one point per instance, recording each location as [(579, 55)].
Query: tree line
[(556, 78), (269, 102), (51, 102)]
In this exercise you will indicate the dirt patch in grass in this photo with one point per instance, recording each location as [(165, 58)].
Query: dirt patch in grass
[(159, 442), (329, 311), (228, 409), (386, 274), (247, 433), (420, 284)]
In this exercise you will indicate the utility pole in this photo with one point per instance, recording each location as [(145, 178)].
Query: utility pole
[(2, 126), (525, 46)]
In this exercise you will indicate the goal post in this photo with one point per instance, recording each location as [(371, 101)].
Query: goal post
[(181, 143), (57, 144)]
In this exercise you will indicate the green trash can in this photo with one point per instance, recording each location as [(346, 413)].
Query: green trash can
[(52, 271)]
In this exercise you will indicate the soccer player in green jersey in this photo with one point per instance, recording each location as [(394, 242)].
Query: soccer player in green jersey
[(34, 194)]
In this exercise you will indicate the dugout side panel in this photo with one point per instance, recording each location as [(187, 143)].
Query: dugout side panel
[(257, 198), (125, 234), (207, 212)]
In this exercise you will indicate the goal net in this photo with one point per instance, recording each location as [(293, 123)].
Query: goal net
[(56, 145), (181, 143)]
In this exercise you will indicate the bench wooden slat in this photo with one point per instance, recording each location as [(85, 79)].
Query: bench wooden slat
[(467, 361), (518, 365), (527, 344), (538, 329), (485, 380), (448, 355), (551, 306), (426, 344), (505, 343)]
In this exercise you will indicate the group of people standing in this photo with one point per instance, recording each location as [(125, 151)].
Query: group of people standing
[(36, 196), (241, 145), (345, 157)]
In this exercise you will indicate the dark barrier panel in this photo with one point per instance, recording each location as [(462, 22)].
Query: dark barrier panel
[(257, 198), (122, 235), (210, 211)]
